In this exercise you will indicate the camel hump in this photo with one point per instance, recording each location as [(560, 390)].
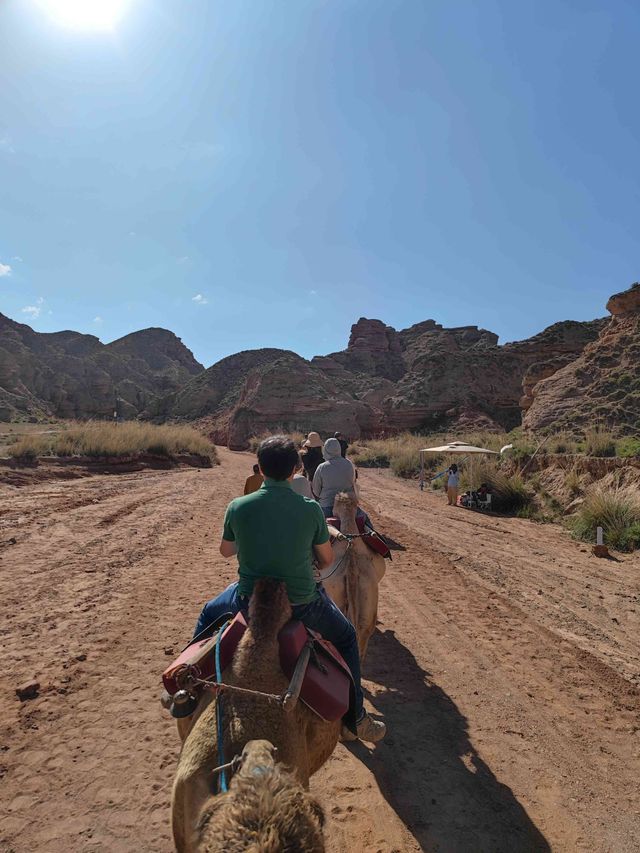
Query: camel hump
[(269, 607)]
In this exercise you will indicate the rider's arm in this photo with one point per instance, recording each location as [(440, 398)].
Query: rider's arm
[(324, 555), (228, 546), (228, 549)]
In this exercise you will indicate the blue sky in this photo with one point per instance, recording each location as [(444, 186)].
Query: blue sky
[(261, 173)]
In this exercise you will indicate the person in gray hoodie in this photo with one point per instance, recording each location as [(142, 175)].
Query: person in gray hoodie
[(335, 474)]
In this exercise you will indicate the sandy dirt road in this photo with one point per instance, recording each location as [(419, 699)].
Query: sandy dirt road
[(506, 666)]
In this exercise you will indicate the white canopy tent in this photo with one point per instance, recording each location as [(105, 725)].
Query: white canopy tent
[(459, 447)]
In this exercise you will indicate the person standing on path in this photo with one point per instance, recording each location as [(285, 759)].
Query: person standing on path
[(253, 482), (453, 480)]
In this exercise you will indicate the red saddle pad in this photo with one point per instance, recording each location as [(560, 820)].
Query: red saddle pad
[(327, 684)]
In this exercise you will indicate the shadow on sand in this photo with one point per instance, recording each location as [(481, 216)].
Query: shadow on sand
[(428, 770)]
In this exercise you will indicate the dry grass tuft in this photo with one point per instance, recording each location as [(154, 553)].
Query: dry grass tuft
[(617, 511), (599, 442), (296, 437), (102, 438)]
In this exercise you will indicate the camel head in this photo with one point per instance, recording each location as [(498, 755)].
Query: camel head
[(344, 508), (269, 608), (265, 810)]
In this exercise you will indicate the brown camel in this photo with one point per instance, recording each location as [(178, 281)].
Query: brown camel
[(352, 581), (303, 740), (265, 811)]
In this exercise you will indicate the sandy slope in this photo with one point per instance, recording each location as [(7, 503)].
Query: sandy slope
[(507, 667)]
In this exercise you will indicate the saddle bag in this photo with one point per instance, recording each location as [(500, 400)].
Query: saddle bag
[(327, 688)]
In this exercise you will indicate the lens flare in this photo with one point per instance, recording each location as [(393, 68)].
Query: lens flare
[(85, 14)]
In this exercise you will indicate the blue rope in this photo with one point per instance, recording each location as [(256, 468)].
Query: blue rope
[(219, 718)]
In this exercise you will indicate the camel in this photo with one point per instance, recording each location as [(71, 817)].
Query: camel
[(352, 581), (266, 810), (304, 741)]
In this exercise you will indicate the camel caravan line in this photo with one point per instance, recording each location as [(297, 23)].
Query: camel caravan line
[(261, 705)]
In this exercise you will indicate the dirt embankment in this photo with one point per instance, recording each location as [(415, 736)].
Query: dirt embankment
[(25, 472), (506, 666)]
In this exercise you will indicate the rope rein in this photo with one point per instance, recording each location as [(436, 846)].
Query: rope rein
[(349, 537), (219, 717)]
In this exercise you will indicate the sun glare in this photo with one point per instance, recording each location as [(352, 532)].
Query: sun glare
[(85, 14)]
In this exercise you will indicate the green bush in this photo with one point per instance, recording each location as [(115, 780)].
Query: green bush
[(628, 447), (617, 511)]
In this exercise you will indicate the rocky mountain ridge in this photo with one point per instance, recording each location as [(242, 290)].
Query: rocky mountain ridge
[(72, 375), (425, 377)]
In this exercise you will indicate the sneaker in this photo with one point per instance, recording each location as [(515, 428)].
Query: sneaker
[(346, 735), (370, 730)]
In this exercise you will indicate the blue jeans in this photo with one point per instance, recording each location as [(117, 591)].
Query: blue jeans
[(321, 615)]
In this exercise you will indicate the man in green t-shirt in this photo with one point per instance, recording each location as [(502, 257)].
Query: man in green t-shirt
[(277, 533)]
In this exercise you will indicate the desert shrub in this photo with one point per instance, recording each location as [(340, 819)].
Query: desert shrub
[(562, 442), (572, 482), (617, 511), (296, 437), (599, 442), (102, 438), (405, 462), (370, 455), (508, 491), (401, 453), (628, 447)]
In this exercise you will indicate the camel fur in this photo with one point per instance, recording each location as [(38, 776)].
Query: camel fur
[(354, 585), (303, 740), (265, 811)]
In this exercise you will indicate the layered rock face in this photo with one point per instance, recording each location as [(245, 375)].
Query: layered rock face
[(601, 387), (69, 375), (460, 376), (269, 389), (424, 377)]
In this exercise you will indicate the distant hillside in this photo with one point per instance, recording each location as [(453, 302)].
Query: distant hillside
[(70, 375)]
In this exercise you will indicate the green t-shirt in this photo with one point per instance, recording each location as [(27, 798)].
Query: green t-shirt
[(274, 530)]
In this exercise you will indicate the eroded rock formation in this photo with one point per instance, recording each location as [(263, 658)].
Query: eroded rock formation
[(601, 387)]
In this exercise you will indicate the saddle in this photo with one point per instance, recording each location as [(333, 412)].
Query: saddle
[(370, 538), (327, 688)]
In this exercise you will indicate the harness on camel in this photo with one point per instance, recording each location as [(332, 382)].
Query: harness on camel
[(369, 536)]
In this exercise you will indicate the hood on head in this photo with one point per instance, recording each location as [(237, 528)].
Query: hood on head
[(331, 449)]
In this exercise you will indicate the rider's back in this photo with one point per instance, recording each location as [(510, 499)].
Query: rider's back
[(275, 529)]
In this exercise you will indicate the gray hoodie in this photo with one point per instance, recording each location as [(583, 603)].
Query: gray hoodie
[(335, 475)]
